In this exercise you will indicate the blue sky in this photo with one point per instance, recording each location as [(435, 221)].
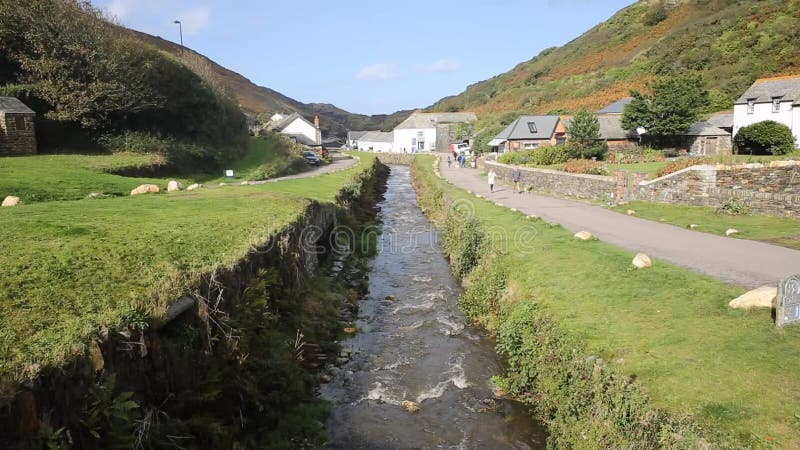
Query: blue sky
[(365, 56)]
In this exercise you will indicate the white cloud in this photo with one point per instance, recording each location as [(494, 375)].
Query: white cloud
[(379, 71), (120, 9), (443, 66), (194, 20)]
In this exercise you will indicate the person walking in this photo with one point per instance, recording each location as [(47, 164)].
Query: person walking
[(490, 178), (516, 177), (449, 162)]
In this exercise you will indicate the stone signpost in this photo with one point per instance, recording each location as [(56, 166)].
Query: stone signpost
[(788, 307)]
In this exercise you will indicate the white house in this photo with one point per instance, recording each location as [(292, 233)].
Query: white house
[(425, 132), (353, 137), (376, 141), (776, 99), (297, 127)]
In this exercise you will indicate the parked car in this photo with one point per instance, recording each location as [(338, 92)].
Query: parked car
[(311, 158)]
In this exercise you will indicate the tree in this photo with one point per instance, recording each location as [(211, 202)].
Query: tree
[(584, 129), (765, 137), (671, 110)]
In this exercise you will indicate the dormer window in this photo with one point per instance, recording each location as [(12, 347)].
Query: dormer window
[(751, 105), (532, 127), (776, 104)]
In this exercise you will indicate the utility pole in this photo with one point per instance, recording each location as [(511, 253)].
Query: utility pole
[(180, 30)]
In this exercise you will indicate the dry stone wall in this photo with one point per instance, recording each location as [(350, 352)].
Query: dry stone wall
[(594, 187), (772, 188)]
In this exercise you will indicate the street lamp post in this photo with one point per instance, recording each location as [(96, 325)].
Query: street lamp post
[(180, 30)]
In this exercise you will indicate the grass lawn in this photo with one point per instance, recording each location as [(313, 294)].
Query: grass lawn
[(69, 267), (263, 152), (650, 168), (40, 178), (668, 326), (782, 231)]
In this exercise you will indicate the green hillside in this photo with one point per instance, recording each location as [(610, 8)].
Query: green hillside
[(729, 43)]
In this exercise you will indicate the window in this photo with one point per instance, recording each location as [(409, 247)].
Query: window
[(421, 140), (530, 145), (532, 127), (19, 123), (776, 104), (751, 105)]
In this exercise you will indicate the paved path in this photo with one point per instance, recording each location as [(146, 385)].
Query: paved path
[(340, 162), (738, 261)]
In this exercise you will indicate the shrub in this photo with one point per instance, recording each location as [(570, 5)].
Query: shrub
[(546, 155), (681, 164), (643, 155), (734, 207), (585, 166), (768, 137), (463, 240)]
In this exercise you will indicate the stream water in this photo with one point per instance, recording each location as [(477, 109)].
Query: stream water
[(415, 345)]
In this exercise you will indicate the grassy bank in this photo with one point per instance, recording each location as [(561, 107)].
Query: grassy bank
[(614, 357), (69, 267), (42, 178), (268, 157), (783, 231)]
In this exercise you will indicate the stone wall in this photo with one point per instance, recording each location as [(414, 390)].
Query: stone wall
[(767, 188), (14, 141), (595, 187), (400, 159)]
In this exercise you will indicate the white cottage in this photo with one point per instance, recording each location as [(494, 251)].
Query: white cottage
[(376, 141), (776, 99), (298, 128), (427, 132)]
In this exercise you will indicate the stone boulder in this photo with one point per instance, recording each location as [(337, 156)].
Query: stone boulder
[(11, 201), (174, 186), (763, 297), (642, 261), (584, 236), (146, 189), (731, 231), (194, 186), (631, 212)]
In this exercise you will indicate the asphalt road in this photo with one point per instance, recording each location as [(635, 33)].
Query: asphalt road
[(738, 261)]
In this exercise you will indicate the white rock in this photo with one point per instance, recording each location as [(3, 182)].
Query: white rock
[(513, 209), (11, 201), (584, 236), (731, 231), (533, 217), (763, 297), (641, 261), (693, 226), (146, 189), (631, 212), (194, 186), (174, 186)]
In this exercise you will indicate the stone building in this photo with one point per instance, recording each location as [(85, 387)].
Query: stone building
[(711, 137), (17, 132)]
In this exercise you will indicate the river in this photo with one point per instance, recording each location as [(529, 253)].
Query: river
[(415, 345)]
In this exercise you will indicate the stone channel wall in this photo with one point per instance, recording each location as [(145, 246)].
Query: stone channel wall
[(594, 187), (156, 364), (772, 188)]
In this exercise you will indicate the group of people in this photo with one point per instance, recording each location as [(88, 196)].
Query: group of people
[(460, 158), (491, 178), (516, 178)]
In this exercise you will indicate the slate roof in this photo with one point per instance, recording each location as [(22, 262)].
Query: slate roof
[(356, 135), (14, 106), (721, 120), (610, 128), (617, 107), (762, 91), (430, 120), (519, 129), (377, 136), (705, 128), (283, 123)]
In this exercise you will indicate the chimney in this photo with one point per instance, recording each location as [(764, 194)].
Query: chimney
[(319, 132)]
